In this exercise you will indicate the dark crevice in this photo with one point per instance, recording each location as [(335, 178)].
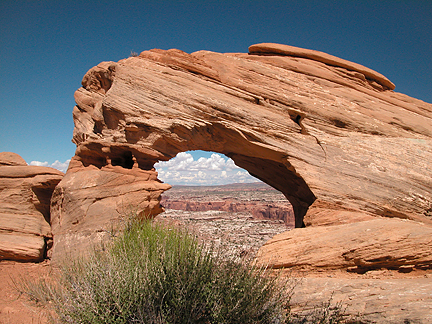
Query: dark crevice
[(125, 160), (338, 123), (43, 195), (98, 127)]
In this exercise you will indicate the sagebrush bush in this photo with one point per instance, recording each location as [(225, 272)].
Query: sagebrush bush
[(154, 274)]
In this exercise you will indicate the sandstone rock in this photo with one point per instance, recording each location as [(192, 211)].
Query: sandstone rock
[(278, 49), (385, 301), (309, 129), (321, 130), (380, 243), (11, 159), (90, 203), (25, 193), (325, 214)]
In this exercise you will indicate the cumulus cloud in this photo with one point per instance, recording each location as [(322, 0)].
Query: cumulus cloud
[(62, 166), (215, 170), (185, 162)]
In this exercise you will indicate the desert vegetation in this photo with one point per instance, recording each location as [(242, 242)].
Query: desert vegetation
[(151, 273)]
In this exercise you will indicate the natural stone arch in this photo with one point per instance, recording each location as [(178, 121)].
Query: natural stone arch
[(267, 165), (329, 134)]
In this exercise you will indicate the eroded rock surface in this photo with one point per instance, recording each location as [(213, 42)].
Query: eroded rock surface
[(381, 301), (380, 243), (90, 203), (25, 193), (331, 135), (314, 131)]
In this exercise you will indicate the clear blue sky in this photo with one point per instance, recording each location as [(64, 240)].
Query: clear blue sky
[(47, 46)]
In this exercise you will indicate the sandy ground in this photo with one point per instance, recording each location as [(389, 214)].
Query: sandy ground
[(15, 308)]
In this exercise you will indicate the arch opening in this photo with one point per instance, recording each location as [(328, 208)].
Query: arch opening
[(185, 170), (248, 150), (221, 200)]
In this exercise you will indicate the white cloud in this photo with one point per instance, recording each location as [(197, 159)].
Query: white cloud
[(62, 166), (215, 170)]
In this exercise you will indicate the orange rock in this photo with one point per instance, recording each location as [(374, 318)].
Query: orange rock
[(10, 159), (380, 243), (278, 49), (315, 127), (25, 193), (90, 203)]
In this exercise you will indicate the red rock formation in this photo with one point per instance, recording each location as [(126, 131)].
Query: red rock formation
[(323, 131), (89, 203), (358, 247), (25, 193)]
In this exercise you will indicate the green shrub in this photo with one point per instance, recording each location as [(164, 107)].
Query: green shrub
[(155, 274)]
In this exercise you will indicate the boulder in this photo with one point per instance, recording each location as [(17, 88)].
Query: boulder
[(25, 193), (11, 159)]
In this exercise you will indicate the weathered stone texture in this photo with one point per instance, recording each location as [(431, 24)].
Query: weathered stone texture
[(25, 193), (309, 129), (380, 243), (89, 203), (331, 135)]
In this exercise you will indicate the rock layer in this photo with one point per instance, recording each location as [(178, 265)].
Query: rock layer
[(380, 243), (25, 193), (323, 131), (258, 210), (90, 203)]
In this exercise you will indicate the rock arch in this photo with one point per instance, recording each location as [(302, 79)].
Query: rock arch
[(326, 132)]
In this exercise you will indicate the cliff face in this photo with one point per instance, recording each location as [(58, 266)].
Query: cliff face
[(256, 209), (331, 135)]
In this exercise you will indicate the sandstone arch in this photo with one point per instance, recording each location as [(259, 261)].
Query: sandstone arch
[(269, 166), (328, 133)]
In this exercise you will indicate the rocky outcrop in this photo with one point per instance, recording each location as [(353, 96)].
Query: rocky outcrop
[(322, 130), (25, 193), (11, 159), (90, 203), (385, 301), (380, 243)]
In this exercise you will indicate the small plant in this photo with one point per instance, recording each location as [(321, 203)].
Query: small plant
[(327, 313), (155, 274)]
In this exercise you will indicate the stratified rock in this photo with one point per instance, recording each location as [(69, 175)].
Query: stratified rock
[(286, 50), (256, 209), (89, 204), (322, 130), (385, 301), (380, 243), (309, 129), (25, 193)]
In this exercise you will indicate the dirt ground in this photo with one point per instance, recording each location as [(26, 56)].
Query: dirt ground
[(15, 308)]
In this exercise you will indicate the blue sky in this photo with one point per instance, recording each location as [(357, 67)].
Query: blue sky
[(47, 46)]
